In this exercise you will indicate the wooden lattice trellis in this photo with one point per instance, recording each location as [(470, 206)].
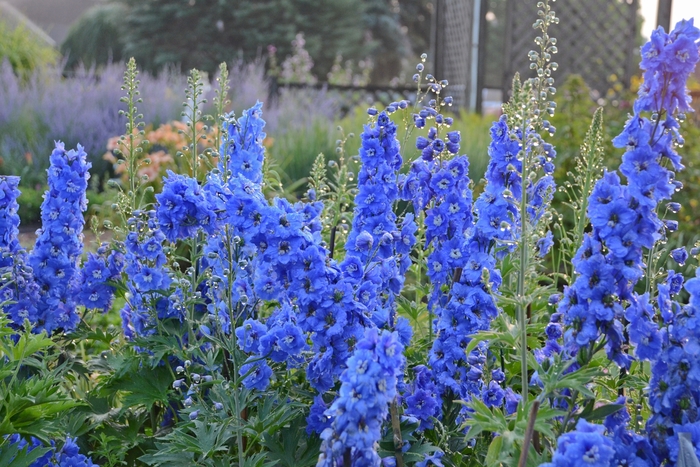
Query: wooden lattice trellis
[(596, 39)]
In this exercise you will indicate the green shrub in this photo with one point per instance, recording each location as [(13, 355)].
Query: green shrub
[(95, 39), (30, 200), (23, 50)]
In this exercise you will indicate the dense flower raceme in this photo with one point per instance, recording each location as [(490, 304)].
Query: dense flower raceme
[(368, 385), (610, 263), (242, 152), (54, 259), (19, 289), (54, 279), (674, 388), (623, 217), (438, 184), (147, 276), (376, 245), (9, 219), (460, 244), (667, 61), (235, 196)]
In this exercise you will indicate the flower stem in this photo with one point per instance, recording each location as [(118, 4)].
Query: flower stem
[(529, 431), (396, 427)]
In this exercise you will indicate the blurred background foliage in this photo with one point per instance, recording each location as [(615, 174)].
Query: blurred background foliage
[(203, 33), (24, 51), (72, 94)]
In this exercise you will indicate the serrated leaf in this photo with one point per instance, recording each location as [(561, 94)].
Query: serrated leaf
[(12, 455)]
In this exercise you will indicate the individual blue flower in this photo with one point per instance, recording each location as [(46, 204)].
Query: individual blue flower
[(183, 208), (679, 255), (587, 446), (256, 373)]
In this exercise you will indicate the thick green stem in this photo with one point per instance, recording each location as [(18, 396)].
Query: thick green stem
[(234, 321), (529, 431), (396, 427)]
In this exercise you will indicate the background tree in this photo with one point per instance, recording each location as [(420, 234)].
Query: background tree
[(96, 38), (203, 33)]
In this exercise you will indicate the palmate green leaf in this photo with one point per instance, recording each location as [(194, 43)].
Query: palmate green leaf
[(144, 387), (507, 335), (28, 344), (199, 441), (259, 460), (164, 458), (29, 404), (555, 377), (484, 419), (291, 446)]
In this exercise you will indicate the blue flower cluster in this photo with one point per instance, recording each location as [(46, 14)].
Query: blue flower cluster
[(623, 217), (147, 278), (275, 254), (368, 385), (68, 456), (674, 387), (54, 278), (96, 293), (438, 184), (235, 196), (59, 244), (667, 61), (280, 339), (341, 300), (9, 220), (242, 152), (590, 445), (184, 208), (376, 247), (465, 253), (18, 291)]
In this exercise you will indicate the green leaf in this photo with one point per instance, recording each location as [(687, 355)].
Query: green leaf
[(12, 455), (494, 452), (601, 412), (145, 387)]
